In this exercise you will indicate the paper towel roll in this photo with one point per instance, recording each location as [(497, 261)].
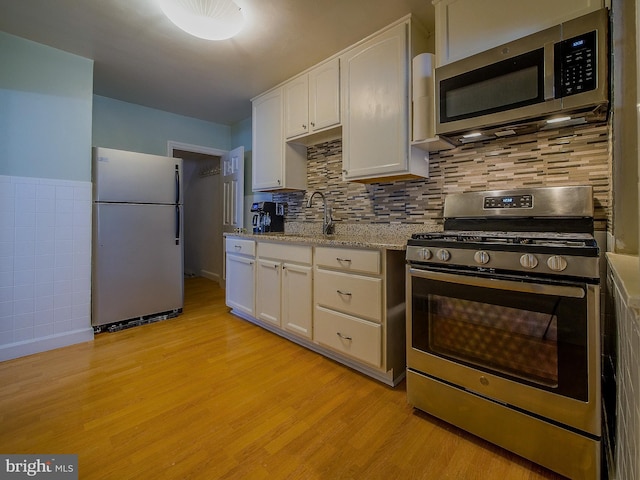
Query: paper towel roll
[(423, 127), (422, 75)]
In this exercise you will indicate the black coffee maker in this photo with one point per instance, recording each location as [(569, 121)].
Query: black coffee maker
[(267, 217)]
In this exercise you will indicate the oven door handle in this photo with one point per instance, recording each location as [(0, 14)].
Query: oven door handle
[(540, 288)]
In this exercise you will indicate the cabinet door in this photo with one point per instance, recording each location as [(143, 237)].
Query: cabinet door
[(240, 283), (466, 27), (324, 95), (268, 291), (268, 142), (296, 107), (375, 93), (296, 299)]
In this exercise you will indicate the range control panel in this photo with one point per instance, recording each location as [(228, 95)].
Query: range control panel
[(509, 201)]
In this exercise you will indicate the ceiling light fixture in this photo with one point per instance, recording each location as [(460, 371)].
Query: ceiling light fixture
[(207, 19)]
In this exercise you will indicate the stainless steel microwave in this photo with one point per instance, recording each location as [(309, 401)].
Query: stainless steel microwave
[(545, 76)]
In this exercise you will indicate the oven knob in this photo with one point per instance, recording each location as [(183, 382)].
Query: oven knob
[(425, 254), (528, 261), (557, 263), (481, 257), (443, 254)]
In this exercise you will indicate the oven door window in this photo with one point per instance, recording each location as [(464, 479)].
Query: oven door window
[(534, 339)]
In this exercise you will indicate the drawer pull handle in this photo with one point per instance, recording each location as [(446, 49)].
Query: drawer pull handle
[(346, 260), (238, 246), (344, 337), (344, 293)]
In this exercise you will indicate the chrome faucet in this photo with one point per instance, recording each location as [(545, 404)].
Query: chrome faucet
[(327, 221)]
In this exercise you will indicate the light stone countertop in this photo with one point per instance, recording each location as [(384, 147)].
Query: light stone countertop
[(380, 236)]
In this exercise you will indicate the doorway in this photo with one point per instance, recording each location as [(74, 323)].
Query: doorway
[(203, 209)]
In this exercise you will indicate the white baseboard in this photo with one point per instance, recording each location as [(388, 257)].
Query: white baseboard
[(43, 344), (210, 275)]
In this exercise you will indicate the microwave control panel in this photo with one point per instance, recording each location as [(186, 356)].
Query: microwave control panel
[(575, 65)]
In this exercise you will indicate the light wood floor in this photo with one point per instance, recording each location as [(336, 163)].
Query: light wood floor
[(207, 395)]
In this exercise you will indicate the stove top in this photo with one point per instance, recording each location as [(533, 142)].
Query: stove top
[(546, 231), (552, 239)]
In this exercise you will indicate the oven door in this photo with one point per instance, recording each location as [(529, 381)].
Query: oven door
[(532, 345)]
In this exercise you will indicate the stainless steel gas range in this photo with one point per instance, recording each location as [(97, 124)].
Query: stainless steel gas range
[(503, 323)]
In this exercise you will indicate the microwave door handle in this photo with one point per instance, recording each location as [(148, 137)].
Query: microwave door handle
[(549, 71)]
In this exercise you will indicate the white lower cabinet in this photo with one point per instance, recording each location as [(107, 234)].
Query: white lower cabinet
[(345, 303), (348, 306), (268, 291), (284, 286), (297, 288), (359, 308), (240, 275)]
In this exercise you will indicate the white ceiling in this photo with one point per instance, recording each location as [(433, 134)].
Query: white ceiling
[(141, 57)]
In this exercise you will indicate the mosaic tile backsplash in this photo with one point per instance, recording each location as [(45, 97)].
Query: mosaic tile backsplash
[(571, 156)]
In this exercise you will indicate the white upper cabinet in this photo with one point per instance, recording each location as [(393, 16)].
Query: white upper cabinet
[(296, 107), (363, 94), (276, 165), (467, 27), (267, 141), (312, 100), (324, 95), (375, 107)]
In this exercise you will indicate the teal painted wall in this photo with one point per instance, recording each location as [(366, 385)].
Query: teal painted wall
[(45, 111), (127, 126), (241, 134)]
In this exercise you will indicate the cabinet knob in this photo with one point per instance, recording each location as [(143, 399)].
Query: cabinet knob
[(313, 124), (304, 126)]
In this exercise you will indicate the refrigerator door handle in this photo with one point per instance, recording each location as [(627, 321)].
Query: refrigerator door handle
[(177, 224), (177, 185)]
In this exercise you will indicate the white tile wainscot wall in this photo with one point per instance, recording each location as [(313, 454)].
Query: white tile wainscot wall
[(626, 284), (45, 264)]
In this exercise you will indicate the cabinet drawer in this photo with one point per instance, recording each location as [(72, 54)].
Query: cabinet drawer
[(285, 251), (348, 259), (354, 294), (349, 335), (240, 246)]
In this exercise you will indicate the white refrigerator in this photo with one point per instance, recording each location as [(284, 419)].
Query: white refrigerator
[(137, 254)]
